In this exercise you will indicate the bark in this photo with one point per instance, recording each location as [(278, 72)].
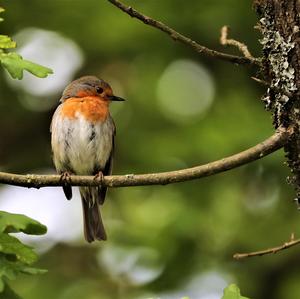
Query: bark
[(280, 28)]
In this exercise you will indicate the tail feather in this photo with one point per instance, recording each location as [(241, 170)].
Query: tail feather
[(93, 225), (101, 194)]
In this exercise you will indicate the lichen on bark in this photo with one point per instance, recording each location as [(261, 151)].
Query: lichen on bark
[(279, 26)]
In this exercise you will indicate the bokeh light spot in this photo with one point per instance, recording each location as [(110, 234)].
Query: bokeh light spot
[(139, 265), (49, 49), (63, 218), (185, 91)]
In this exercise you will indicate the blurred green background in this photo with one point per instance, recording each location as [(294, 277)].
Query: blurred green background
[(182, 109)]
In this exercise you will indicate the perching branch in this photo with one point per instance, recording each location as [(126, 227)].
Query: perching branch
[(290, 243), (273, 143), (183, 39)]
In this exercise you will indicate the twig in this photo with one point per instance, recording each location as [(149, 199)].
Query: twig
[(260, 81), (290, 243), (183, 39), (273, 143), (225, 41)]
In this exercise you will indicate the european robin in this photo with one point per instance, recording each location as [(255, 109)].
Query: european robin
[(82, 140)]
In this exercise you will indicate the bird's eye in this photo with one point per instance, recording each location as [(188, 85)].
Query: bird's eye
[(99, 89)]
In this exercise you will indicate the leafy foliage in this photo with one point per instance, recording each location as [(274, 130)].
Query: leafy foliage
[(6, 42), (16, 257), (233, 292), (13, 223), (1, 10), (8, 293), (15, 64)]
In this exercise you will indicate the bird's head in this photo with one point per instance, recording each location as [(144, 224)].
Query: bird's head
[(90, 86)]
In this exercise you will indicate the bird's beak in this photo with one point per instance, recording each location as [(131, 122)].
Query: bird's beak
[(115, 98)]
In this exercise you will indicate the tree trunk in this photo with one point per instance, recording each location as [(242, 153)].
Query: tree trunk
[(280, 28)]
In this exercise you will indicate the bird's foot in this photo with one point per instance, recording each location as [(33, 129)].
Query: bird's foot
[(99, 177), (65, 177)]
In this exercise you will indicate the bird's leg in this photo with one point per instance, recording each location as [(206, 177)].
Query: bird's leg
[(99, 177)]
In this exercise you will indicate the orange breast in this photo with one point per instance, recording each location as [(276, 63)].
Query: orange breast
[(91, 108)]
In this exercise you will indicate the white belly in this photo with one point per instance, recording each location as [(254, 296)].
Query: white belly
[(79, 146)]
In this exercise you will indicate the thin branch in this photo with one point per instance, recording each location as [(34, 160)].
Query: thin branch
[(273, 143), (225, 41), (292, 242), (183, 39), (260, 81)]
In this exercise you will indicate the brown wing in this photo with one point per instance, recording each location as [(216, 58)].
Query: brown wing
[(107, 169)]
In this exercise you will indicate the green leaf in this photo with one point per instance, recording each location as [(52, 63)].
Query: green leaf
[(8, 293), (15, 257), (1, 10), (6, 42), (233, 292), (15, 250), (15, 65), (10, 269), (12, 223), (33, 271)]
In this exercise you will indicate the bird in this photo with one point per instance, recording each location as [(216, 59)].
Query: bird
[(83, 141)]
